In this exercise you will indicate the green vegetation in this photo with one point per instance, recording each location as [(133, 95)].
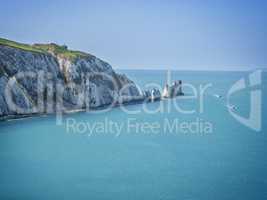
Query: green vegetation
[(46, 48), (22, 46), (2, 73), (61, 51)]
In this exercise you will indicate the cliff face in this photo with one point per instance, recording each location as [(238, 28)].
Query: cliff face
[(30, 78)]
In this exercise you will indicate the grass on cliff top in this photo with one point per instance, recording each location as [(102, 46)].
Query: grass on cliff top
[(61, 50), (46, 48), (22, 46)]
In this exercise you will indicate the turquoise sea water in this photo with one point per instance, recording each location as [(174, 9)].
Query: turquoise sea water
[(42, 160)]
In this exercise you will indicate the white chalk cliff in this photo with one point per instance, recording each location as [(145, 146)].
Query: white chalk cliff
[(64, 67)]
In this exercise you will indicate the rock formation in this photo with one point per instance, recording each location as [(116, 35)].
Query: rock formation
[(173, 90), (32, 76)]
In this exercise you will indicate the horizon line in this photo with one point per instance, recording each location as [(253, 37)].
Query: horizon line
[(183, 69)]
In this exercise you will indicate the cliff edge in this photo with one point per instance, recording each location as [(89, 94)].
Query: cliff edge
[(32, 78)]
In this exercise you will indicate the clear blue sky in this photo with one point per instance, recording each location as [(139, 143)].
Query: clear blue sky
[(185, 34)]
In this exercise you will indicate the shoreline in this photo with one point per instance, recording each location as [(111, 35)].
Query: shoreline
[(102, 107), (141, 100)]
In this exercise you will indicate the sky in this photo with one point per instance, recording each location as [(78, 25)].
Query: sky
[(181, 34)]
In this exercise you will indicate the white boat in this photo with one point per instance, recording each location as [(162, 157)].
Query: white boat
[(217, 96), (232, 107)]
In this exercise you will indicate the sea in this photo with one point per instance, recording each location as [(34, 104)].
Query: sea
[(210, 143)]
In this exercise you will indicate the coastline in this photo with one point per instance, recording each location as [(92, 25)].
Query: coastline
[(102, 107)]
